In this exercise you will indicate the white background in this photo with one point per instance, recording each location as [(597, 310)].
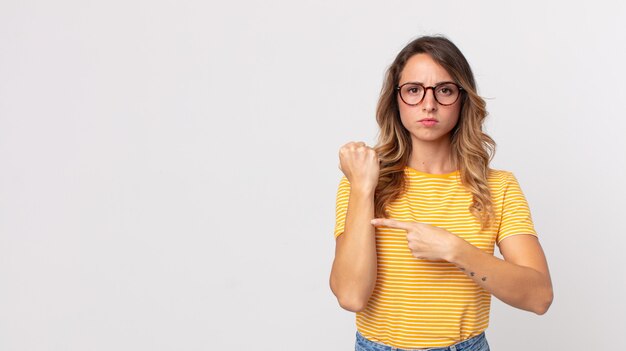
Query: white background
[(168, 169)]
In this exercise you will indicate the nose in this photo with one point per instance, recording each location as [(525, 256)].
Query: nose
[(429, 103)]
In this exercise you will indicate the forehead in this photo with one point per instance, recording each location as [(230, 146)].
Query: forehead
[(422, 68)]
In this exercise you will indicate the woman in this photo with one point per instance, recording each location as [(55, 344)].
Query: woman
[(419, 214)]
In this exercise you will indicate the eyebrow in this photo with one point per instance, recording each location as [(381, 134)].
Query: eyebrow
[(444, 81)]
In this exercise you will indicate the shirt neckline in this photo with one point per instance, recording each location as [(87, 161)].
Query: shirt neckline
[(432, 175)]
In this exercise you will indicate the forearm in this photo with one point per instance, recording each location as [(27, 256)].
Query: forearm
[(518, 286), (354, 270)]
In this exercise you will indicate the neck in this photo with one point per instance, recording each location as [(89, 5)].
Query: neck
[(434, 157)]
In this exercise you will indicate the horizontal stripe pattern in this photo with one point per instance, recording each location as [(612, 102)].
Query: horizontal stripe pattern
[(421, 303)]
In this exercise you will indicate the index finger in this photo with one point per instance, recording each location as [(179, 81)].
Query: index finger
[(388, 222)]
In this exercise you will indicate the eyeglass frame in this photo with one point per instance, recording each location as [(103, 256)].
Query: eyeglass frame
[(433, 89)]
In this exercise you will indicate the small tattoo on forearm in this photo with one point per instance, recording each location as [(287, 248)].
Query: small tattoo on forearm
[(473, 274)]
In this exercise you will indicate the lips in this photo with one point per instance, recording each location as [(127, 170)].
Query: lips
[(428, 122)]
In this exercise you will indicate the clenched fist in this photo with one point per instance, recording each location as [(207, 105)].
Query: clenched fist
[(360, 164)]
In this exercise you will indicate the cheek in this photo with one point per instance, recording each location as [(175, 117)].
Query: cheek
[(454, 114), (405, 116), (404, 110)]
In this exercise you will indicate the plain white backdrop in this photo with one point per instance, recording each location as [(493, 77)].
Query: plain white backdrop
[(168, 169)]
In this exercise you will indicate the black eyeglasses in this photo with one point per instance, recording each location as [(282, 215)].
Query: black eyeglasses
[(445, 93)]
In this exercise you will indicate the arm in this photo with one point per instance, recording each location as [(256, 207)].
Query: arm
[(521, 280), (354, 269)]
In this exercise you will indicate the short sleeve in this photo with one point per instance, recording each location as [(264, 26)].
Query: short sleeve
[(343, 195), (516, 218)]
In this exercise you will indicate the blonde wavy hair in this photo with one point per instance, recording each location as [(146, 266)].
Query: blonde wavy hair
[(472, 149)]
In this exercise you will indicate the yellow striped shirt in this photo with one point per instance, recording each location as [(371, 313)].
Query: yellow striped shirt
[(420, 303)]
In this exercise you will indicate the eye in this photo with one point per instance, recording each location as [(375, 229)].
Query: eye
[(413, 89), (446, 90)]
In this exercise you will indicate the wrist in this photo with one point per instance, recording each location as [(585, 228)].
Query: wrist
[(363, 191), (457, 248)]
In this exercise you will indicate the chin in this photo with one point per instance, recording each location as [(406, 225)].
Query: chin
[(432, 137)]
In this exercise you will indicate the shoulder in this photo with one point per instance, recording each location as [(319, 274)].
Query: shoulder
[(500, 176), (501, 181), (344, 181), (344, 184), (499, 173)]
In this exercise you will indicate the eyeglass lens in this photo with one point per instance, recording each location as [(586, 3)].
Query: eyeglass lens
[(445, 94)]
